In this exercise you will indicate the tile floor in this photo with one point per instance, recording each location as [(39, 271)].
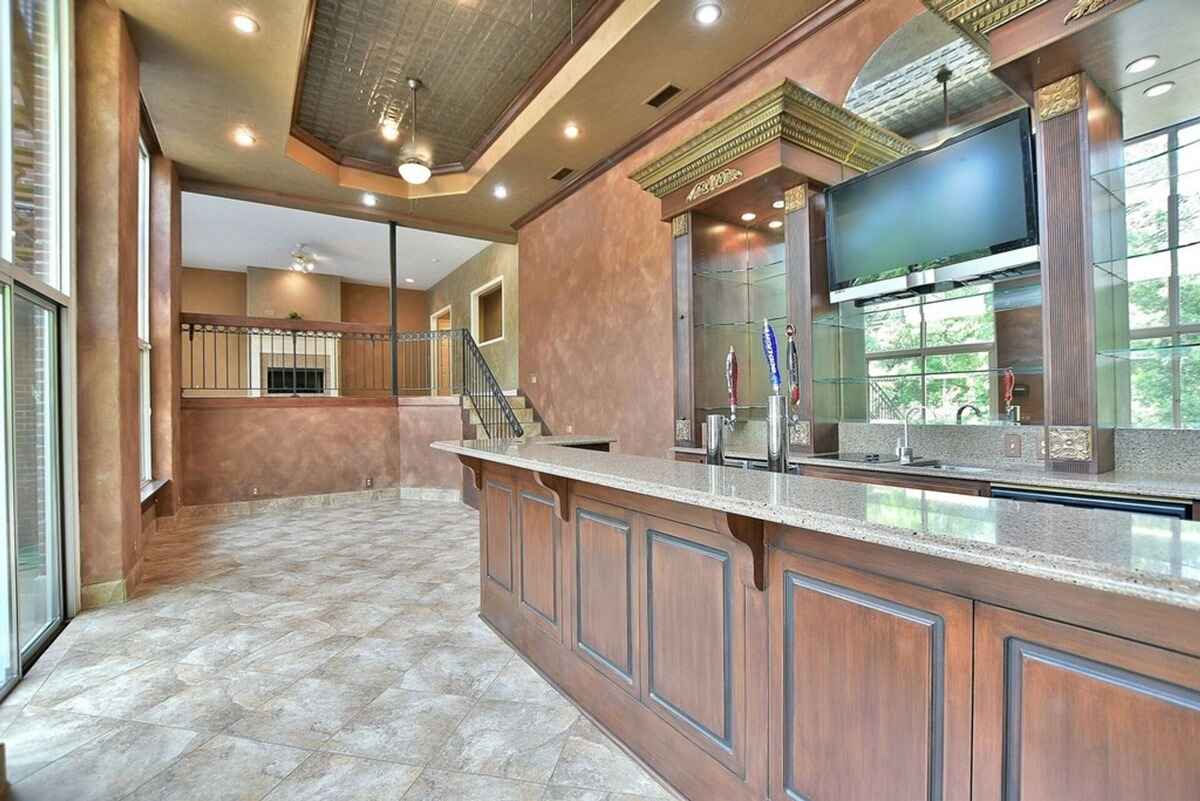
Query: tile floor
[(330, 654)]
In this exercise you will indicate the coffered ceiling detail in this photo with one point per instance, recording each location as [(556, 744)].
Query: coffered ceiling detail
[(475, 58)]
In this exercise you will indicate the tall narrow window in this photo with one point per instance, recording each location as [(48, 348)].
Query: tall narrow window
[(1162, 229), (145, 453)]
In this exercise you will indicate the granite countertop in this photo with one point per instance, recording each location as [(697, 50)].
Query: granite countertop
[(1149, 557), (571, 440), (1179, 486)]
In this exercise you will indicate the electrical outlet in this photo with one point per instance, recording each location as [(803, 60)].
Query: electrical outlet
[(533, 378), (1012, 446), (254, 491), (368, 482), (570, 429)]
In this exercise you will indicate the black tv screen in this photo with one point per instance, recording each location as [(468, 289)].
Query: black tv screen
[(973, 196)]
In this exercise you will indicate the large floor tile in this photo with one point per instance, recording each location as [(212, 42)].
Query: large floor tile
[(508, 738), (38, 737), (519, 682), (373, 662), (305, 714), (456, 670), (337, 777), (135, 691), (589, 760), (223, 769), (217, 703), (109, 766), (438, 785), (402, 726)]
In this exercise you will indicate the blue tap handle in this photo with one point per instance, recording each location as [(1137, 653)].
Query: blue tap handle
[(771, 352)]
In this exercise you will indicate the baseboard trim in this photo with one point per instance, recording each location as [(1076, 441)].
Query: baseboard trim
[(243, 508)]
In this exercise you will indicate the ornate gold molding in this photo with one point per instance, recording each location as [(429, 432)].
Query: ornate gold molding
[(801, 433), (787, 112), (1058, 98), (679, 225), (718, 180), (795, 198), (1083, 8), (976, 19), (1069, 443)]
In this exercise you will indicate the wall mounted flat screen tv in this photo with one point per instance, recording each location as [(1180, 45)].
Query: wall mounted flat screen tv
[(972, 197)]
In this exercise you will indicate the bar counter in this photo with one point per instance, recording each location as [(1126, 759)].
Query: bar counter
[(748, 635)]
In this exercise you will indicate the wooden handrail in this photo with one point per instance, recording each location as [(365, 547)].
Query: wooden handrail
[(282, 324)]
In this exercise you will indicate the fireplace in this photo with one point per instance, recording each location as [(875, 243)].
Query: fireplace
[(295, 380)]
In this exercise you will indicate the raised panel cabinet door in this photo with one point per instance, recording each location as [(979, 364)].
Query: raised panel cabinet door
[(694, 623), (539, 546), (1068, 714), (497, 556), (605, 556), (870, 686)]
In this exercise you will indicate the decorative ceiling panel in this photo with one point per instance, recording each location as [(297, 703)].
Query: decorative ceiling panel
[(474, 57)]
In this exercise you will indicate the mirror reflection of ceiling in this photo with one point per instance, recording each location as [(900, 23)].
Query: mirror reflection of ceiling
[(474, 57), (898, 88), (224, 234)]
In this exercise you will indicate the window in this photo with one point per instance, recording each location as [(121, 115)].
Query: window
[(937, 351), (487, 312), (145, 450), (1162, 230)]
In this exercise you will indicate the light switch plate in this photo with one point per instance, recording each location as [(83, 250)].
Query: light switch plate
[(1012, 446)]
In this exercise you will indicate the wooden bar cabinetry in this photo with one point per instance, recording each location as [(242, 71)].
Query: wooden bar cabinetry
[(743, 661)]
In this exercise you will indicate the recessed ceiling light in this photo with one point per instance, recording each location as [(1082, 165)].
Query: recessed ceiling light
[(244, 136), (369, 200), (410, 280), (500, 191), (749, 217), (1160, 89), (245, 24), (571, 131), (778, 204), (707, 13), (1141, 64), (776, 224)]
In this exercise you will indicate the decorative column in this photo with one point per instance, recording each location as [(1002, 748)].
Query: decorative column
[(687, 429), (1079, 135), (814, 429)]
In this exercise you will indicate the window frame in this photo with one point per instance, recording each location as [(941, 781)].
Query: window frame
[(923, 351), (1174, 331), (145, 407), (476, 294)]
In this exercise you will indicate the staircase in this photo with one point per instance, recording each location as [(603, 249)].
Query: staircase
[(473, 429)]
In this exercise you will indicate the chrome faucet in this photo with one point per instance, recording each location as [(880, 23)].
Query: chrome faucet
[(958, 416), (903, 449)]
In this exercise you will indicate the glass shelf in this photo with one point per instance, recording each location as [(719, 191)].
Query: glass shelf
[(1162, 353), (745, 275), (1003, 299), (1104, 265), (1146, 163), (1017, 369), (753, 326)]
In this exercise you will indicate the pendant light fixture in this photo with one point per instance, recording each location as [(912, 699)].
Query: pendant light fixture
[(413, 168)]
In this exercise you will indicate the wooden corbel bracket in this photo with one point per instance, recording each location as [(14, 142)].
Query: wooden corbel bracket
[(476, 468), (750, 532), (557, 487)]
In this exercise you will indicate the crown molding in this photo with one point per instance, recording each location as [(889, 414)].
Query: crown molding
[(788, 113)]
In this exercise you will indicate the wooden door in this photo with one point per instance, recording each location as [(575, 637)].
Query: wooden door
[(870, 686), (1068, 714), (444, 357)]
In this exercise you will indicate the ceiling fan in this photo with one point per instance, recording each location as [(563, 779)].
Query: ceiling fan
[(413, 160)]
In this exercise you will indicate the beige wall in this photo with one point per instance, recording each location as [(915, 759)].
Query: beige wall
[(366, 303), (243, 450), (278, 293), (107, 123), (455, 291), (213, 291), (596, 294)]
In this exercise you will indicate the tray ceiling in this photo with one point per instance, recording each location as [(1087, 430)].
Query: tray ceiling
[(474, 57)]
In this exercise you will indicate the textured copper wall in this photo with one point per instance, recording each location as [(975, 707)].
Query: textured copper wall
[(596, 283), (106, 117), (166, 277), (313, 448)]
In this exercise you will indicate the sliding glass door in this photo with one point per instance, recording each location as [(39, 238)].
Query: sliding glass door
[(36, 474)]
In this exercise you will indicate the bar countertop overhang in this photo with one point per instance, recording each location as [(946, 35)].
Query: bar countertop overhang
[(1134, 555)]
